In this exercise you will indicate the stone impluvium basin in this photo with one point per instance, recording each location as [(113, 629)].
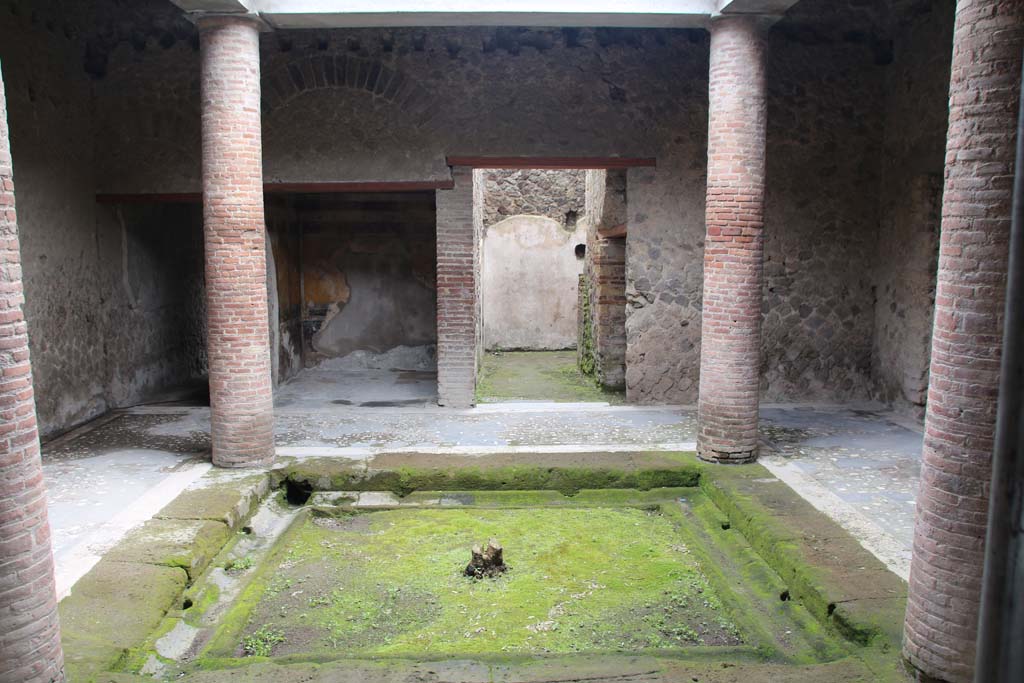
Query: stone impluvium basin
[(372, 585)]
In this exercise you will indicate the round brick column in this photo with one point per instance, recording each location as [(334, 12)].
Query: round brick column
[(730, 356), (952, 505), (29, 633), (241, 402)]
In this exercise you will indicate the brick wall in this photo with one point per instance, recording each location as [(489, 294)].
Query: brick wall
[(733, 270), (606, 207), (29, 631), (458, 296), (236, 287), (952, 506)]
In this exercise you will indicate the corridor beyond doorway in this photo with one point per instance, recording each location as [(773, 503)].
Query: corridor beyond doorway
[(539, 376)]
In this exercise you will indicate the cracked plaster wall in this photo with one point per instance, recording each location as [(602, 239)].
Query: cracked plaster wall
[(917, 87), (113, 295), (390, 105)]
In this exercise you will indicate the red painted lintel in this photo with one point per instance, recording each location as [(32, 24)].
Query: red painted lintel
[(552, 163), (281, 188)]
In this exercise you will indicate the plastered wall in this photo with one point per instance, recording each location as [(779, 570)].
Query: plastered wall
[(910, 202), (529, 287), (104, 98), (114, 295)]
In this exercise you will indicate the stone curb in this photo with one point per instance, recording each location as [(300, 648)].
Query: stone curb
[(117, 605), (841, 583)]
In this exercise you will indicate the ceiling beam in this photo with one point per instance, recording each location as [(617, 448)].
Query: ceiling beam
[(771, 8), (215, 6), (294, 14), (551, 163)]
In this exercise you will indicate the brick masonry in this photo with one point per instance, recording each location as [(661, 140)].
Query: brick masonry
[(952, 506), (459, 223), (606, 207), (30, 649), (239, 355), (130, 74), (733, 269)]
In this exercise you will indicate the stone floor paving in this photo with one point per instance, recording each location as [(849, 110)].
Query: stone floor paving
[(857, 463)]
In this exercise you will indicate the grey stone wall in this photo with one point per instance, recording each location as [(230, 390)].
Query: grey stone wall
[(558, 195), (856, 95), (406, 99), (113, 294), (605, 280), (910, 196), (825, 89)]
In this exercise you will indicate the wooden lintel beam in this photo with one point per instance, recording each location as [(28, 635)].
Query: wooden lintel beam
[(552, 163), (283, 188), (612, 232)]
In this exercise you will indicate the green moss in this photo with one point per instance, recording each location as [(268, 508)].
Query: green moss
[(238, 565), (200, 598), (566, 480), (538, 376), (230, 501), (261, 642), (844, 587), (188, 544), (586, 356), (112, 611), (391, 583)]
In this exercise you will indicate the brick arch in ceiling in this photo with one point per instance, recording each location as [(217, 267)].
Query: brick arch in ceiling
[(323, 72)]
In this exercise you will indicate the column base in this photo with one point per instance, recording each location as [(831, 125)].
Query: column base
[(723, 457), (235, 463), (918, 676)]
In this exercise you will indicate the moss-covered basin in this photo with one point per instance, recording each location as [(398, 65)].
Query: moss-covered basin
[(603, 577)]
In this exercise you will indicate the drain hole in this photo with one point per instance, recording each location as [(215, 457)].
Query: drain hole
[(831, 608), (246, 529), (297, 492), (187, 603), (784, 595), (726, 526)]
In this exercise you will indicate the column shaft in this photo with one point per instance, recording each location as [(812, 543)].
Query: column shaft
[(30, 649), (952, 505), (236, 289), (458, 291), (733, 271)]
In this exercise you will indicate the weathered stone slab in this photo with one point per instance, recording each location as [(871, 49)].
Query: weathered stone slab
[(112, 609)]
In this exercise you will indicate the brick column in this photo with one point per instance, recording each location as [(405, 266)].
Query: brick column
[(606, 275), (730, 356), (236, 287), (952, 505), (458, 293), (29, 633)]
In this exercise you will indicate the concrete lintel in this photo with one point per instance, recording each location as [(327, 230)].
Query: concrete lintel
[(215, 6), (769, 8), (198, 9), (387, 13)]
